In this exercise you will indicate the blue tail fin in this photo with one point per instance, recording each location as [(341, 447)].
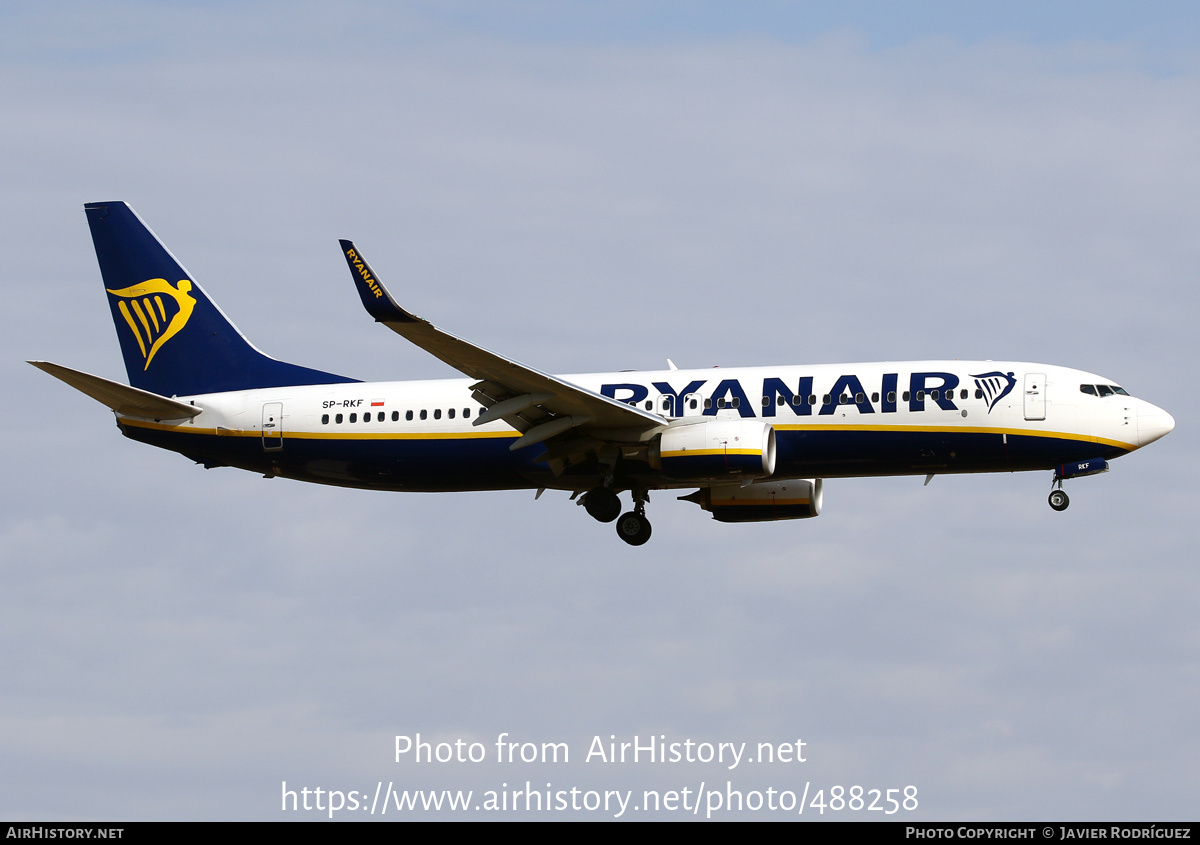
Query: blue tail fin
[(175, 340)]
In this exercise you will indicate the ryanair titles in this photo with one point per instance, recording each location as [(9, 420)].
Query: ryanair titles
[(939, 388)]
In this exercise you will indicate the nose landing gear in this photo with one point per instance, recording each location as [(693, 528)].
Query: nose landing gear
[(1076, 469)]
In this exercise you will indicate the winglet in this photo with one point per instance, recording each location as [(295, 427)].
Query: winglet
[(375, 297)]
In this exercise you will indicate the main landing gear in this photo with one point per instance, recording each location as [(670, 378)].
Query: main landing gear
[(633, 528), (603, 505)]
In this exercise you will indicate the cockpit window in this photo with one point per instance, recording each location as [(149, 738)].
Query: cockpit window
[(1103, 390)]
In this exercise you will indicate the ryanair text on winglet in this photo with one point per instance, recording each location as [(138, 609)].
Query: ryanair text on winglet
[(365, 273)]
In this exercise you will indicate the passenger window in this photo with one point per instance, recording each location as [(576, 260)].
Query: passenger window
[(920, 395), (812, 398), (1089, 389), (395, 416), (963, 394), (424, 414), (978, 393), (408, 415), (720, 403), (708, 403), (466, 413), (906, 396), (450, 413), (354, 418), (892, 396), (1104, 389), (844, 399), (874, 397), (379, 417), (736, 401), (826, 399), (859, 398), (766, 400), (338, 419), (324, 419), (649, 405), (437, 413), (693, 404)]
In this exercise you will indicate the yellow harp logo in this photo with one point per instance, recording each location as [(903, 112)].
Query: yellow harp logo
[(145, 308)]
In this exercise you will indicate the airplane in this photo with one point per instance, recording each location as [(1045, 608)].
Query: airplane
[(755, 443)]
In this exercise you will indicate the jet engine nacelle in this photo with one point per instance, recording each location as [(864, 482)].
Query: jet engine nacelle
[(715, 450), (797, 498)]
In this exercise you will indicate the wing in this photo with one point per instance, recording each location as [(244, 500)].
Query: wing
[(538, 405)]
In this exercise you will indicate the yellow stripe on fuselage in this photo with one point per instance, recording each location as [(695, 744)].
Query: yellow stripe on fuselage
[(185, 428)]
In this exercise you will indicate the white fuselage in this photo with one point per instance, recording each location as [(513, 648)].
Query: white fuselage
[(831, 420)]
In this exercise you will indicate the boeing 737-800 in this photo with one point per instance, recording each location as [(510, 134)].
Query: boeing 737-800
[(754, 443)]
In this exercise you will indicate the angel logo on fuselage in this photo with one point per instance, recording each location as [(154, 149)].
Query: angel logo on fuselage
[(995, 386)]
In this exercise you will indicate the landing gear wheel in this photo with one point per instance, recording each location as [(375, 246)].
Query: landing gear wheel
[(1059, 500), (633, 528), (602, 504)]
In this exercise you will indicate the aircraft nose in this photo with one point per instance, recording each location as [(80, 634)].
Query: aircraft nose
[(1152, 423)]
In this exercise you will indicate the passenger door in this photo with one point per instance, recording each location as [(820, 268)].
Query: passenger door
[(1035, 396)]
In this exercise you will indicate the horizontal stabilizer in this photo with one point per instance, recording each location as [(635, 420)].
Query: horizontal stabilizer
[(125, 400)]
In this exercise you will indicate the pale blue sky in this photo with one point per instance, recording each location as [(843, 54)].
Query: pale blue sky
[(1156, 25)]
